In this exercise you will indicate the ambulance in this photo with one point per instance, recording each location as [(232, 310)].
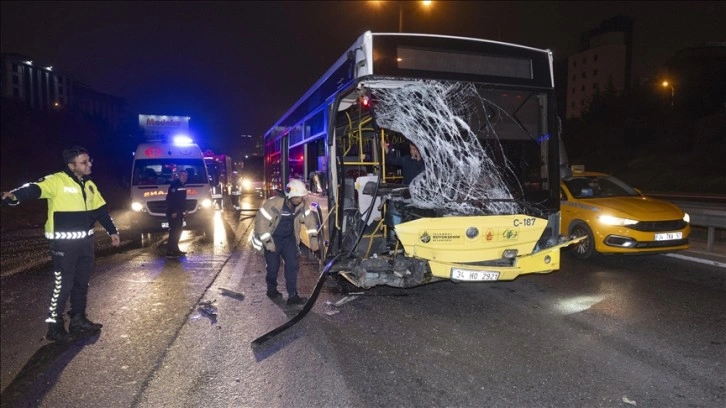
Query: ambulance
[(155, 165)]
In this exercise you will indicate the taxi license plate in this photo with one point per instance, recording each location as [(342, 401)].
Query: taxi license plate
[(469, 275), (166, 224), (667, 236)]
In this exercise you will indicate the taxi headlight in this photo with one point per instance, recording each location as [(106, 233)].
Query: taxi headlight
[(247, 184), (687, 218), (136, 206), (610, 220), (206, 203)]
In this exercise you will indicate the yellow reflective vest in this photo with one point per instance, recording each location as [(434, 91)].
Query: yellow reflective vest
[(74, 205)]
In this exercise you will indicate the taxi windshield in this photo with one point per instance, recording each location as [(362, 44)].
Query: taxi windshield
[(599, 187)]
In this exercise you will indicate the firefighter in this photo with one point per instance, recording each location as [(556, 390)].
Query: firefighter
[(74, 205), (277, 231)]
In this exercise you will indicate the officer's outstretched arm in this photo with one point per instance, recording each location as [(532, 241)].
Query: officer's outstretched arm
[(25, 192)]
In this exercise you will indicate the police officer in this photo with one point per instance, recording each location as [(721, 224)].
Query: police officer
[(277, 230), (176, 203), (74, 205)]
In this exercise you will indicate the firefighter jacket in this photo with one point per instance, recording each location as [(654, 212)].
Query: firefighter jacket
[(268, 218), (74, 205)]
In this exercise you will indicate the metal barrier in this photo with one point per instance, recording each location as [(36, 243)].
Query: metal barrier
[(705, 216)]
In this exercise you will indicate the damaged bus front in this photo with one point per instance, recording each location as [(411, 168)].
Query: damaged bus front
[(482, 114)]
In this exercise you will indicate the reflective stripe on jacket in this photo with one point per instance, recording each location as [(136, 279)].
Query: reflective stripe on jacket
[(268, 218)]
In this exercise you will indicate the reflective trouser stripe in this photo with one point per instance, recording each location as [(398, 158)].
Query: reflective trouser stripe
[(52, 309)]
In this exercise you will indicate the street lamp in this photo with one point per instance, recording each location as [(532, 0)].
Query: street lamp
[(426, 3), (667, 84)]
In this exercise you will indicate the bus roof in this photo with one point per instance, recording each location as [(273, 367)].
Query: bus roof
[(338, 76)]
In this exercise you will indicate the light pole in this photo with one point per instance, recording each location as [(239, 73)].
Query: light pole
[(426, 3), (667, 84)]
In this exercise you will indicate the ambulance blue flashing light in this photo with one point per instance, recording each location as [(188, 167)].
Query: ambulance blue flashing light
[(182, 140)]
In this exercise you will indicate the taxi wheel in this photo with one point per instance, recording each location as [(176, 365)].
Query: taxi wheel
[(584, 249)]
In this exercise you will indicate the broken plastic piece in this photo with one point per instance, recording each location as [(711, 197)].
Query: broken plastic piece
[(345, 300), (232, 294), (208, 307)]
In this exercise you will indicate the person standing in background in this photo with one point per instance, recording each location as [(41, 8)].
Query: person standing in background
[(176, 202)]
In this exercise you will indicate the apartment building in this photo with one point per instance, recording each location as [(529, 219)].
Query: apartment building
[(603, 64)]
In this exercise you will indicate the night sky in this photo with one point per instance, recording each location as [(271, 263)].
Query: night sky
[(235, 67)]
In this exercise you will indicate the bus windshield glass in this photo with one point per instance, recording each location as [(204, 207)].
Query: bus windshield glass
[(481, 146)]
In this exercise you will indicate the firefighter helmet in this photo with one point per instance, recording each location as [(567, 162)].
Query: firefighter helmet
[(295, 188)]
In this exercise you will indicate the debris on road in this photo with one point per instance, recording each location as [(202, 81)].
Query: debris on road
[(208, 307), (345, 300), (231, 293)]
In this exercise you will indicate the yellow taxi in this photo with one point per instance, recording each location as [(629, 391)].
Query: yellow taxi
[(618, 219)]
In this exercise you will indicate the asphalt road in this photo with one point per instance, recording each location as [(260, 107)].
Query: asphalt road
[(612, 332)]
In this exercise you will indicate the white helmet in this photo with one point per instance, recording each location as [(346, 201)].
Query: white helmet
[(295, 188)]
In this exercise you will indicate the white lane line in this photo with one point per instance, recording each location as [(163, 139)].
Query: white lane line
[(699, 260)]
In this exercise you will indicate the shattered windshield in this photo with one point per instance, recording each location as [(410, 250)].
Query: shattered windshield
[(481, 146)]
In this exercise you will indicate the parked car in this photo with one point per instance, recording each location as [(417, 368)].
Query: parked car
[(618, 219)]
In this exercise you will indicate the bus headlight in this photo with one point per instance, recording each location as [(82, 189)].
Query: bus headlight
[(136, 206)]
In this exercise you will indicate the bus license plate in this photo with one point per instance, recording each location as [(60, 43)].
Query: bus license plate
[(468, 275), (667, 236)]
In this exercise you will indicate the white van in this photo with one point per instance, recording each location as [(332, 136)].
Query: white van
[(155, 165)]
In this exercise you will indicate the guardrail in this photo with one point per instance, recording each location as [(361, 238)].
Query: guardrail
[(709, 217)]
